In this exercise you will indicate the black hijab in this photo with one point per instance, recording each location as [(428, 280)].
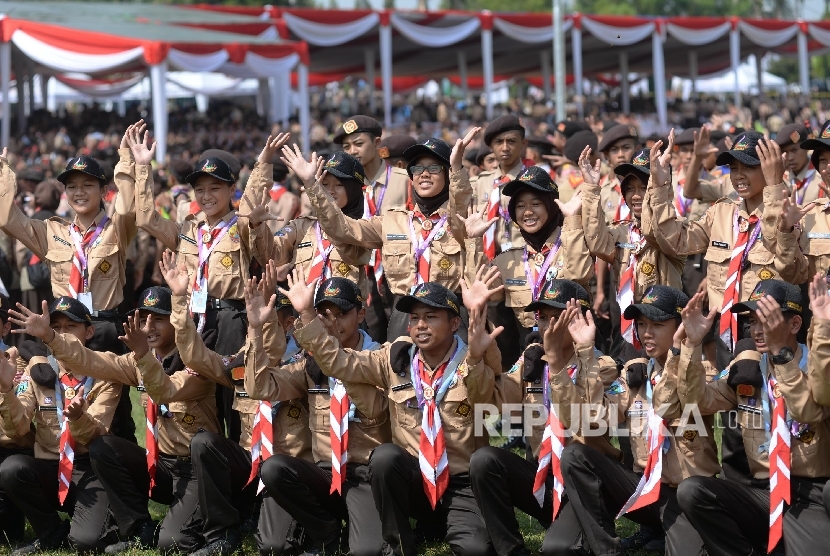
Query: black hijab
[(537, 240), (354, 198)]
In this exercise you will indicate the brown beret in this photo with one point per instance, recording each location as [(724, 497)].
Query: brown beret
[(568, 127), (32, 173), (687, 136), (482, 153), (619, 131), (501, 125), (357, 124), (577, 143), (393, 146), (792, 133)]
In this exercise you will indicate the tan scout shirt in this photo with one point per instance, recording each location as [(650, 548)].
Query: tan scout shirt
[(507, 232), (810, 454), (814, 241), (610, 196), (391, 233), (396, 190), (573, 262), (614, 240), (190, 398), (367, 431), (809, 191), (297, 243), (229, 261), (33, 403), (714, 235), (818, 371), (374, 367), (290, 424), (690, 453), (51, 241), (595, 373), (569, 181)]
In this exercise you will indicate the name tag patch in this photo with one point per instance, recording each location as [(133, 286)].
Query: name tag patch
[(188, 239), (515, 282), (396, 237), (818, 235), (400, 387), (720, 245)]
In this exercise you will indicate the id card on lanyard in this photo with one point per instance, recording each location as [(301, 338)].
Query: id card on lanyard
[(82, 255), (198, 299)]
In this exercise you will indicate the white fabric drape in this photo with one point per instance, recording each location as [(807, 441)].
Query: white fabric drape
[(528, 35), (819, 34), (197, 62), (207, 91), (618, 36), (434, 37), (67, 61), (100, 90), (698, 37), (261, 66), (270, 34), (764, 37), (323, 34)]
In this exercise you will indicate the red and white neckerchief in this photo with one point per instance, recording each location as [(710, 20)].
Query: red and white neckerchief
[(66, 388), (494, 209), (746, 232), (628, 282), (79, 273), (681, 204), (320, 265), (550, 450), (371, 207), (536, 273), (648, 489), (151, 439), (432, 452), (277, 191), (800, 186), (262, 439), (431, 229), (206, 240)]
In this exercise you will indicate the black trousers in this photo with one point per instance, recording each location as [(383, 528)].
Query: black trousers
[(826, 498), (106, 336), (12, 520), (302, 489), (32, 484), (378, 311), (398, 489), (501, 481), (231, 330), (277, 533), (221, 468), (122, 468)]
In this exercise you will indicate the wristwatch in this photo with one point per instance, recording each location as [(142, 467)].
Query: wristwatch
[(675, 351), (784, 356)]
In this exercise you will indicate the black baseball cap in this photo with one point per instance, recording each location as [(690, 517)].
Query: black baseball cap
[(433, 147), (744, 150), (212, 166), (502, 124), (156, 299), (357, 124), (394, 146), (557, 293), (345, 166), (342, 292), (532, 177), (432, 294), (71, 308), (85, 165), (616, 133), (787, 295), (659, 303), (283, 302), (792, 134), (639, 166), (232, 162), (5, 303)]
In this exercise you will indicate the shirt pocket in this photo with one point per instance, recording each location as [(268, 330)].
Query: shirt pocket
[(319, 421), (446, 259), (225, 258), (456, 409), (518, 293), (407, 412), (60, 264), (820, 248), (190, 253), (398, 260), (303, 253), (718, 259), (103, 262)]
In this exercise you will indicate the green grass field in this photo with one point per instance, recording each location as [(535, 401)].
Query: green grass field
[(533, 532)]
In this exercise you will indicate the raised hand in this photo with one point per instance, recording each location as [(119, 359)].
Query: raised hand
[(480, 340), (31, 323), (77, 406), (776, 328), (301, 294), (695, 324), (772, 161), (819, 298), (477, 294), (477, 223), (554, 339), (257, 309), (138, 140), (270, 277), (572, 207), (792, 212), (582, 327), (262, 211), (305, 169), (135, 336), (272, 146), (660, 167), (174, 274), (703, 142), (457, 155), (590, 174), (8, 370)]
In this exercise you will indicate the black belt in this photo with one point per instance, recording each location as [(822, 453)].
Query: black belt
[(181, 459), (109, 316), (214, 304)]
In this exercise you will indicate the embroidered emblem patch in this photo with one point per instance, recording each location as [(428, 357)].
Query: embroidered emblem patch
[(104, 267)]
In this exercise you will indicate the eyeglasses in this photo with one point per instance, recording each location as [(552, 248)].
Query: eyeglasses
[(432, 169)]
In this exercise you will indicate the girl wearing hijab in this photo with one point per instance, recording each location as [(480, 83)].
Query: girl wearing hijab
[(418, 245), (554, 247)]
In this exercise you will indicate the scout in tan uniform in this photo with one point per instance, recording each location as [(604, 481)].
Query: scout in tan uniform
[(180, 403), (69, 412), (735, 518), (553, 242), (283, 203), (502, 480), (637, 262), (433, 385), (569, 176), (223, 467), (505, 136), (803, 176), (738, 254), (320, 495), (391, 150), (420, 245), (647, 385), (618, 146)]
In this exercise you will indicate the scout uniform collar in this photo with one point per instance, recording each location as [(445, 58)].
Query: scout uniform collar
[(551, 241), (446, 358), (382, 173), (202, 218), (100, 216)]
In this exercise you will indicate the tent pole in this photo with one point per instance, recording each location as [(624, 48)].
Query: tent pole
[(386, 70), (759, 70), (369, 58), (693, 72), (625, 86), (158, 77), (559, 60), (659, 78), (735, 56), (305, 116), (803, 61), (576, 57), (5, 78), (487, 62)]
